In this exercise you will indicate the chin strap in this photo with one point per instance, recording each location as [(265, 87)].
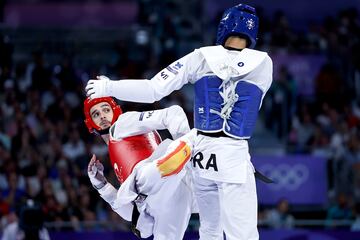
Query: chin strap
[(101, 132)]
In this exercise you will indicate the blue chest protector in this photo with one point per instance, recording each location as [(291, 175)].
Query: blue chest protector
[(233, 112)]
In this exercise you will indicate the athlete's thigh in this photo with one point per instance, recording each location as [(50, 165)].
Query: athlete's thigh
[(207, 198), (148, 179), (239, 209), (172, 215)]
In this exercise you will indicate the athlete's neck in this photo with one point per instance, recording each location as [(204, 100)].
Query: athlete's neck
[(106, 138), (235, 42)]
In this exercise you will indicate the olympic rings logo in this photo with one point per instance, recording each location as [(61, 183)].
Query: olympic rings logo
[(288, 177)]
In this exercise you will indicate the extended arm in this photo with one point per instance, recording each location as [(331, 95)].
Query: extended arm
[(133, 90), (162, 84)]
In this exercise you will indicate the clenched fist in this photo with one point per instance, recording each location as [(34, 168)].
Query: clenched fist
[(99, 87)]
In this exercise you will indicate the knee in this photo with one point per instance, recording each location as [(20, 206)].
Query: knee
[(210, 231)]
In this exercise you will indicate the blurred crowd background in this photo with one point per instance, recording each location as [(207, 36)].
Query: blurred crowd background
[(311, 109)]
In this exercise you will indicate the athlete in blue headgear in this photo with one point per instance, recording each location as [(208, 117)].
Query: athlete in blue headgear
[(231, 80)]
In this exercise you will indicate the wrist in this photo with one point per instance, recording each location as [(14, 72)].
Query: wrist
[(109, 87), (100, 185)]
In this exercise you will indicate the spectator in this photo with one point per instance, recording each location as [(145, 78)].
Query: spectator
[(355, 226), (282, 93), (41, 74), (13, 194), (280, 216), (29, 226), (339, 211), (74, 147)]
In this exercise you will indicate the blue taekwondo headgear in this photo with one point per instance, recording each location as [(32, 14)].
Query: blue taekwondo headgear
[(240, 20)]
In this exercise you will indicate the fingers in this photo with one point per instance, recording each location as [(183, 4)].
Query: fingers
[(99, 166), (94, 170), (102, 77), (92, 162), (89, 85), (95, 87), (89, 89), (93, 158), (90, 93), (95, 165)]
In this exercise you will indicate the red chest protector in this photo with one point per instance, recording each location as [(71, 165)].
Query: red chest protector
[(127, 152)]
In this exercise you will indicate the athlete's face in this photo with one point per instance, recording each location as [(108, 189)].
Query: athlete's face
[(102, 115)]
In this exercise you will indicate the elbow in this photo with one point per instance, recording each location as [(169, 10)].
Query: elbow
[(150, 101), (155, 98), (156, 92), (154, 95), (178, 110)]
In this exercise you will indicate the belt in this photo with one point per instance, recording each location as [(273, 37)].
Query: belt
[(135, 213), (134, 220), (262, 177), (213, 134)]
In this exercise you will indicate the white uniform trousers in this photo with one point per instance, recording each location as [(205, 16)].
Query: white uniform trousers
[(227, 207), (169, 202)]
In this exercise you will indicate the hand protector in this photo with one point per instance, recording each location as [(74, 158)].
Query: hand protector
[(98, 88), (96, 173)]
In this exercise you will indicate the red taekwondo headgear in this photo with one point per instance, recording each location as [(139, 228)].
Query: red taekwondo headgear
[(89, 103)]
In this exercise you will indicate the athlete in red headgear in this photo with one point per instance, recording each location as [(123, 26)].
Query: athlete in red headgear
[(93, 124), (100, 114), (154, 193)]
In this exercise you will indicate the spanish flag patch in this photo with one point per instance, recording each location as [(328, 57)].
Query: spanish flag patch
[(173, 162)]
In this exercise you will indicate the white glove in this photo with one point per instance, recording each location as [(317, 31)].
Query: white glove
[(98, 88), (96, 173)]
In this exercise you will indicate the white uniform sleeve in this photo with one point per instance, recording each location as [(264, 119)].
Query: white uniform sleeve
[(108, 193), (135, 123), (119, 201), (162, 84), (267, 73)]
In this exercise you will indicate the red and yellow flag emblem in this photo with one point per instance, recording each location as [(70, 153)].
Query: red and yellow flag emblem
[(173, 162)]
